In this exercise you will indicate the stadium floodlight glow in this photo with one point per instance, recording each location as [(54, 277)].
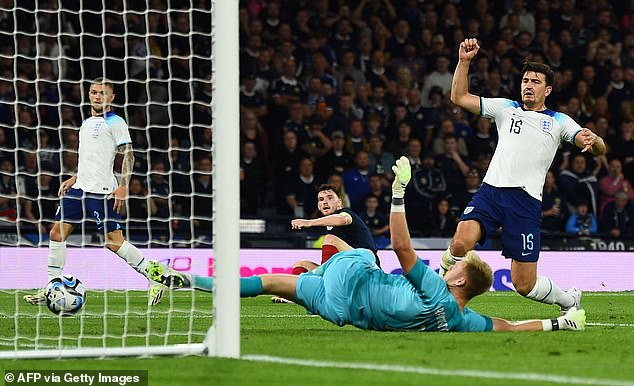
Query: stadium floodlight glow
[(153, 48)]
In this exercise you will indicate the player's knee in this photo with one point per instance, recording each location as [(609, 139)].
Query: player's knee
[(328, 240), (523, 287), (301, 263)]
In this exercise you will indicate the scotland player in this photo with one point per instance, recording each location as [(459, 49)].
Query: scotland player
[(339, 221), (94, 191), (510, 196), (350, 289)]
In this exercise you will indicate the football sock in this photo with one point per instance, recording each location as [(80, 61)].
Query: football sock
[(56, 258), (545, 291), (133, 257), (327, 251), (203, 283), (249, 286), (298, 270)]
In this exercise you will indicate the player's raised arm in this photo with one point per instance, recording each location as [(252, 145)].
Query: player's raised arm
[(399, 233), (127, 165), (460, 83)]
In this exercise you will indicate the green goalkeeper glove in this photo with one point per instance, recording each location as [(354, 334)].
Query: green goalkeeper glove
[(402, 174)]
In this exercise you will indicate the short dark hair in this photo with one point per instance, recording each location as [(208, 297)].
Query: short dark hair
[(104, 81), (539, 68), (324, 187)]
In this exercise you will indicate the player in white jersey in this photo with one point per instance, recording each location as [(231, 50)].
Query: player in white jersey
[(94, 193), (510, 195)]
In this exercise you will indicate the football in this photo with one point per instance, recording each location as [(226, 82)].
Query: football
[(65, 295)]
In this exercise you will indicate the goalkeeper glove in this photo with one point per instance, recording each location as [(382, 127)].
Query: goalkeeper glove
[(402, 174)]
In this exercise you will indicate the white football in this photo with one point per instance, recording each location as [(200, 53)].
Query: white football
[(65, 295)]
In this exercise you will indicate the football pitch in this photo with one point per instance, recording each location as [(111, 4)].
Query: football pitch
[(282, 345)]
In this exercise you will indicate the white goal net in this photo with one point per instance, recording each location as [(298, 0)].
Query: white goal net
[(158, 55)]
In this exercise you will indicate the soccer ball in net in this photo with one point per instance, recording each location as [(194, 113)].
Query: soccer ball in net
[(65, 295)]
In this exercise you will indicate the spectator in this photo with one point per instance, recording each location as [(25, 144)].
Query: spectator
[(615, 181), (618, 217), (348, 70), (286, 167), (441, 223), (440, 77), (452, 164), (344, 115), (252, 179), (398, 146), (139, 208), (381, 161), (484, 141), (338, 159), (460, 200), (317, 143), (159, 195), (578, 184), (448, 128), (376, 222), (553, 205), (383, 196), (356, 180), (301, 190), (295, 121), (8, 191), (581, 222), (428, 184), (357, 141), (252, 100)]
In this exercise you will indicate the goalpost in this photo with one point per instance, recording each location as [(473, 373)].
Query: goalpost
[(174, 64)]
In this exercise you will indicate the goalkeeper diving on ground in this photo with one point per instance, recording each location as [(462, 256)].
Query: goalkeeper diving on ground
[(350, 289)]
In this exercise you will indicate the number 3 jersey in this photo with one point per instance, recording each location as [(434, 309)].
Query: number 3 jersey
[(99, 137), (528, 141)]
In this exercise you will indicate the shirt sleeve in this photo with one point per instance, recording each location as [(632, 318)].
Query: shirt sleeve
[(474, 322), (120, 131), (569, 127), (491, 107), (425, 280)]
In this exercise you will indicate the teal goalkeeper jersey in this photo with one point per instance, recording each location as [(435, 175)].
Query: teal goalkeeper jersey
[(359, 293)]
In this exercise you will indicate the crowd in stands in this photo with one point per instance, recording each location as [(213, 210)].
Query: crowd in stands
[(330, 91), (340, 89)]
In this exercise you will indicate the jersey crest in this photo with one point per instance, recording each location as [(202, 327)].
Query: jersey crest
[(546, 124)]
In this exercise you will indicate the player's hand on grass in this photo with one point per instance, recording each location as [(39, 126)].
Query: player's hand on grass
[(574, 320), (402, 174), (119, 195), (300, 223), (468, 49)]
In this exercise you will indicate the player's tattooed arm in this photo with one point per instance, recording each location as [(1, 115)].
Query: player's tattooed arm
[(127, 164)]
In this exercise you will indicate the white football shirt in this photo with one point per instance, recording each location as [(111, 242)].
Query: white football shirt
[(528, 141), (99, 137)]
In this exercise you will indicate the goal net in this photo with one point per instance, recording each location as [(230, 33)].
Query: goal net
[(158, 55)]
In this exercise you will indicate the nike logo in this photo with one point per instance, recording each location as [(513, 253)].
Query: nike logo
[(526, 253)]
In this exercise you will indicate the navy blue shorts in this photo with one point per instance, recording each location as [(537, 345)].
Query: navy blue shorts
[(519, 215), (77, 207)]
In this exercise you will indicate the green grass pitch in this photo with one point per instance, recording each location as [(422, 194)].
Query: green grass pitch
[(311, 351)]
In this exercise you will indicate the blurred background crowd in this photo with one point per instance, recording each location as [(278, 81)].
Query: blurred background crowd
[(330, 92)]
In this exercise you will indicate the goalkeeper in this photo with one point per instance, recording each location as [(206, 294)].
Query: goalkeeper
[(350, 289)]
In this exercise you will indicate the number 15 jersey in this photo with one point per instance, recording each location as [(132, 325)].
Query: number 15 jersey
[(528, 141)]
